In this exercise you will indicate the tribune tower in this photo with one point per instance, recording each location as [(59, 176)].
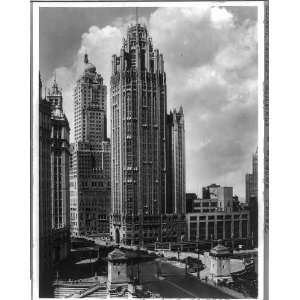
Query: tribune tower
[(138, 134)]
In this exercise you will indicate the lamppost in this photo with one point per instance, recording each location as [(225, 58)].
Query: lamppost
[(198, 260), (178, 253), (90, 253)]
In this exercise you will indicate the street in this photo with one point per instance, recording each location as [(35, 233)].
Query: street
[(174, 284)]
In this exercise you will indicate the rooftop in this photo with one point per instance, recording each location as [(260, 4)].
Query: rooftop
[(220, 250), (117, 254)]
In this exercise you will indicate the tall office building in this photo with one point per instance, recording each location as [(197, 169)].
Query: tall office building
[(252, 198), (45, 228), (60, 193), (90, 162), (138, 134), (175, 146), (252, 180), (90, 106)]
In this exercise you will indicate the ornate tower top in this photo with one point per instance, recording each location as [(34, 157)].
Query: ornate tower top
[(56, 100), (137, 53), (55, 91), (88, 67)]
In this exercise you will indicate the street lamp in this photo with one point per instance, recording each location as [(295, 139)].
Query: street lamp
[(198, 250), (178, 252)]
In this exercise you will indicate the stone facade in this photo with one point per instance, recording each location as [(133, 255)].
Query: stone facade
[(117, 270), (220, 261), (90, 159)]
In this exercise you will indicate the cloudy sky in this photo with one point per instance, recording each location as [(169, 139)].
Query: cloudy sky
[(210, 58)]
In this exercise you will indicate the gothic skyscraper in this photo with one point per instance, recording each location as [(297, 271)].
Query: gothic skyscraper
[(138, 133), (45, 228), (90, 163), (60, 192)]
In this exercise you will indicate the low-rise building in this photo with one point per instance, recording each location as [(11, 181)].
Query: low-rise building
[(205, 205), (214, 198), (205, 226)]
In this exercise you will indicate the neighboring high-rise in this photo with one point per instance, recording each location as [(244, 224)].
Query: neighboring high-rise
[(175, 146), (45, 228), (251, 180), (138, 134), (252, 198), (60, 193), (90, 159)]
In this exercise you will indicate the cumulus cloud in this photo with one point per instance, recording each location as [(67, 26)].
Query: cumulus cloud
[(211, 64), (210, 58)]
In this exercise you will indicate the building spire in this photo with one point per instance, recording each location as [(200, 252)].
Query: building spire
[(136, 16), (86, 59)]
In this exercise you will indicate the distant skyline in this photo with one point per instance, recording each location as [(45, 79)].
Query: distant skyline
[(210, 58)]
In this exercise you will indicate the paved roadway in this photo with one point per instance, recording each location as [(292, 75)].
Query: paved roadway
[(174, 284)]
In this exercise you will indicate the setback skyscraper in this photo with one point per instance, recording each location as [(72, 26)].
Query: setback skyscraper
[(138, 133), (60, 192), (90, 163)]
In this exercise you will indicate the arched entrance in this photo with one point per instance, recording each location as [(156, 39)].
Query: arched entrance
[(117, 236)]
